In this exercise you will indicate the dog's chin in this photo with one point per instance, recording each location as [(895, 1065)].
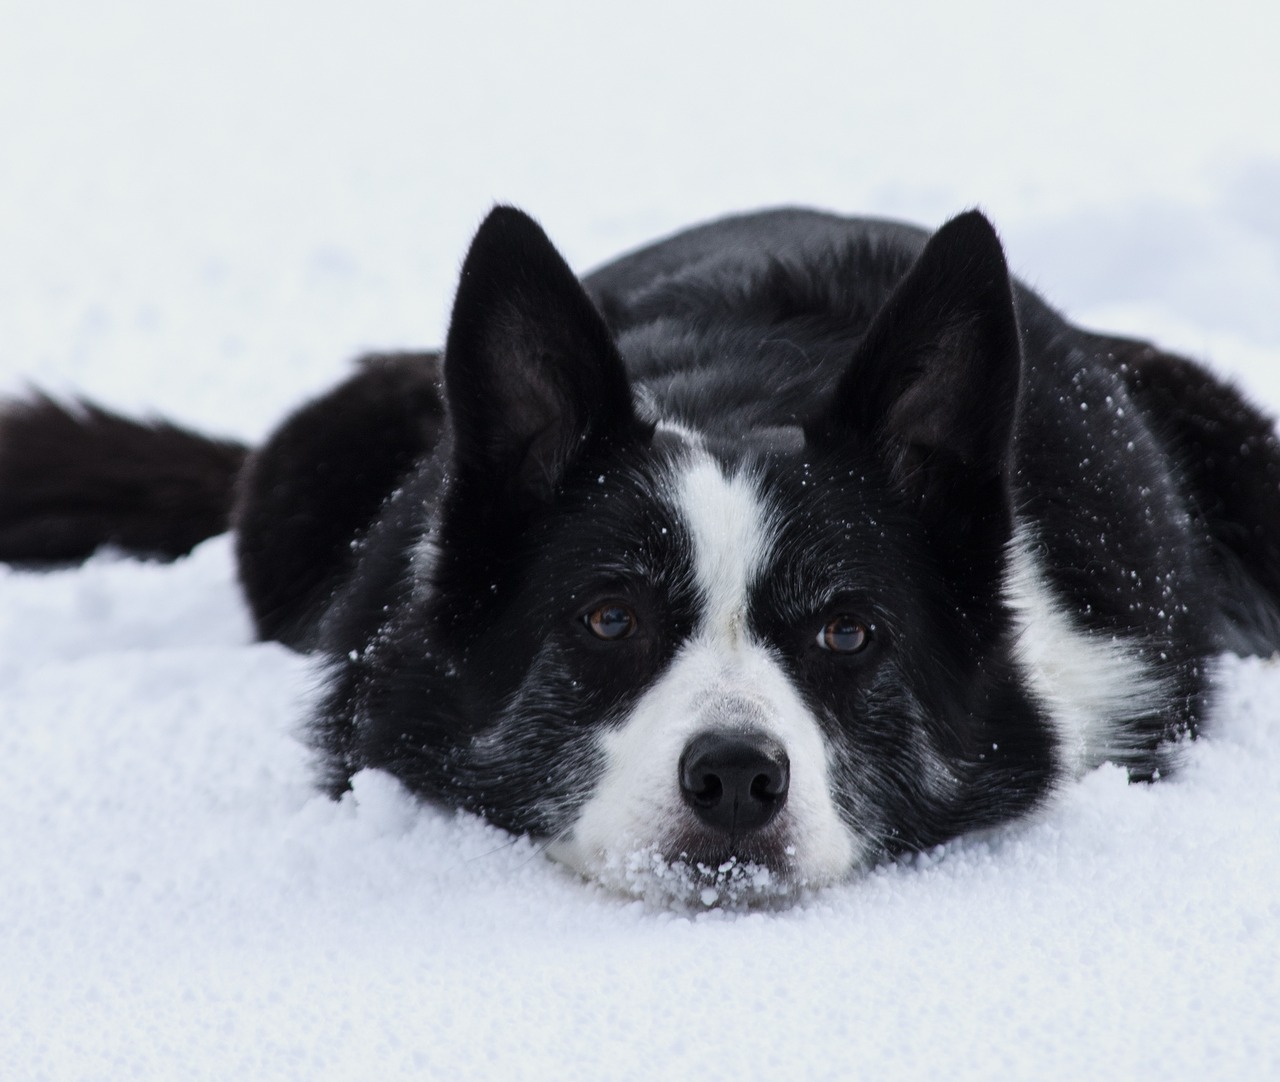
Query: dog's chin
[(688, 884), (691, 877)]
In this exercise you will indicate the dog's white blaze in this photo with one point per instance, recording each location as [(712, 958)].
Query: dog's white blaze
[(1089, 684), (719, 679), (690, 436), (729, 527)]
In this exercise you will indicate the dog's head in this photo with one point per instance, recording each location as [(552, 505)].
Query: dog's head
[(718, 663)]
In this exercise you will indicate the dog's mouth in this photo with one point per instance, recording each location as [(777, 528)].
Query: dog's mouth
[(704, 877)]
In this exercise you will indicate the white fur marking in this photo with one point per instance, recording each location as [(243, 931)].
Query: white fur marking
[(690, 436), (1090, 685), (729, 526)]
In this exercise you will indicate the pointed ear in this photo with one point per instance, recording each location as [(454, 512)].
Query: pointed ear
[(531, 372), (934, 382)]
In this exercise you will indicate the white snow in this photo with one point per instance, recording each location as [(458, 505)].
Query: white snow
[(205, 210)]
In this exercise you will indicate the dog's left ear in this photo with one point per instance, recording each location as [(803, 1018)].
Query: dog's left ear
[(531, 372), (934, 382)]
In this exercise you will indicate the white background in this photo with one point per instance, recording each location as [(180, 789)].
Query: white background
[(206, 211)]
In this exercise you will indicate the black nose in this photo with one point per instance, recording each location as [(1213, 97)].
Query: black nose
[(734, 782)]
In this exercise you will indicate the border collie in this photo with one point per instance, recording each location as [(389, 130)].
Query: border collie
[(778, 547)]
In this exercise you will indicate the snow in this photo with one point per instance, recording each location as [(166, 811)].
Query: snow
[(205, 211)]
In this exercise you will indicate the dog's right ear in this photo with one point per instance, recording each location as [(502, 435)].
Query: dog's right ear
[(532, 376), (934, 381)]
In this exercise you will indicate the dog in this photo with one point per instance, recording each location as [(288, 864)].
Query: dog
[(782, 546)]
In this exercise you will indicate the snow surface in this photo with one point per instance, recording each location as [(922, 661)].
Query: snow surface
[(206, 210)]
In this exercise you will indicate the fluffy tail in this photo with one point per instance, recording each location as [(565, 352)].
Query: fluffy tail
[(76, 477)]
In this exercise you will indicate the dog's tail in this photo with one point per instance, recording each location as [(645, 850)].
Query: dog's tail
[(75, 477), (1229, 455)]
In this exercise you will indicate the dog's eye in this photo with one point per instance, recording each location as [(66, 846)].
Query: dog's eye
[(844, 635), (611, 622)]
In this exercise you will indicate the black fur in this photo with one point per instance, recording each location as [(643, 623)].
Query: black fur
[(295, 523), (914, 420), (76, 477), (1227, 453)]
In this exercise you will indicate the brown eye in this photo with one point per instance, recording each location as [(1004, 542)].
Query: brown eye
[(611, 622), (844, 635)]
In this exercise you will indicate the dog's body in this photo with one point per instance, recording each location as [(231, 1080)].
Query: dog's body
[(782, 545)]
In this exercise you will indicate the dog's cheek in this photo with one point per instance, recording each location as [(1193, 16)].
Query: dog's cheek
[(889, 781), (540, 759)]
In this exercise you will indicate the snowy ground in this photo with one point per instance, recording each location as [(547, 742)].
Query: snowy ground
[(206, 211)]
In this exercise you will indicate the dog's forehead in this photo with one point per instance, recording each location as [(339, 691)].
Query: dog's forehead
[(730, 525), (770, 515)]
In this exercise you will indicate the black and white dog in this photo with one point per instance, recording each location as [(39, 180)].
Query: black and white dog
[(785, 544)]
